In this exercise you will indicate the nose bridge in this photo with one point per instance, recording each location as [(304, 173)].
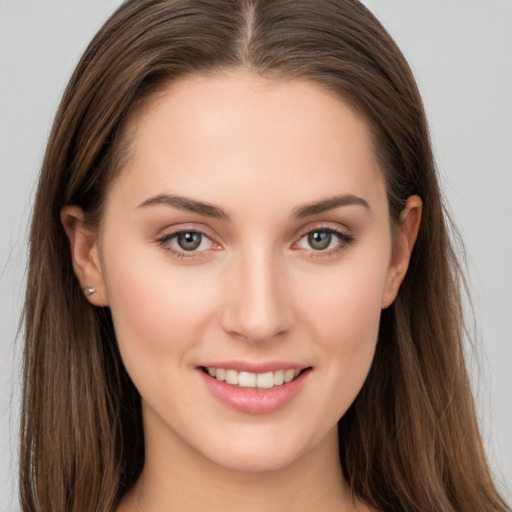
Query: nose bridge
[(258, 307)]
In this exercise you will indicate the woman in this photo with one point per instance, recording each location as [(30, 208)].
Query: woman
[(240, 275)]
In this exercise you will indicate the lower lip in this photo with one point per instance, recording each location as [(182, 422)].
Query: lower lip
[(252, 400)]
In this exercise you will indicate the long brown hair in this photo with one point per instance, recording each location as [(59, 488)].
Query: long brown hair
[(410, 441)]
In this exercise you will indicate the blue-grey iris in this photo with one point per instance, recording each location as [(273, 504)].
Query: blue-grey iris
[(319, 240), (189, 241)]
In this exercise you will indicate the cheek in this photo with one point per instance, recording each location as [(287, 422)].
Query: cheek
[(157, 309), (346, 303), (343, 316)]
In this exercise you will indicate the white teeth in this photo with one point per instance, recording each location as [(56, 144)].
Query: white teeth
[(278, 377), (265, 380), (247, 380), (231, 376), (289, 375)]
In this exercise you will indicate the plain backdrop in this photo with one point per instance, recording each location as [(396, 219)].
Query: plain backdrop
[(461, 54)]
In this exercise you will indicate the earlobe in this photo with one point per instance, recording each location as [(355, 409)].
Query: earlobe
[(410, 220), (84, 255)]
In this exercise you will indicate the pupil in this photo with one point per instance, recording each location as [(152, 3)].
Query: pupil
[(189, 241), (319, 240)]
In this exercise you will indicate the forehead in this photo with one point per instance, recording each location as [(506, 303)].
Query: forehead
[(227, 134)]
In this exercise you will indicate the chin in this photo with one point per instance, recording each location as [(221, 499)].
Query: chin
[(256, 461), (268, 451)]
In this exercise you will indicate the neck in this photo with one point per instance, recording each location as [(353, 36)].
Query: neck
[(176, 477)]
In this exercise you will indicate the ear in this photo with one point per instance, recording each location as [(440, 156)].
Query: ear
[(407, 232), (84, 254)]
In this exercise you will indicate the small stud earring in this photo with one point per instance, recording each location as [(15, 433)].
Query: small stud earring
[(89, 290)]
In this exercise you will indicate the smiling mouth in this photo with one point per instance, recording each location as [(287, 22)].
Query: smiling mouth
[(267, 380)]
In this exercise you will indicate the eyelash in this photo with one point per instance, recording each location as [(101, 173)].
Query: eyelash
[(345, 241), (164, 240)]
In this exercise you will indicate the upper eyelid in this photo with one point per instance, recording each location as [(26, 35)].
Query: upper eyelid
[(342, 235), (176, 252), (170, 232), (323, 226), (342, 232)]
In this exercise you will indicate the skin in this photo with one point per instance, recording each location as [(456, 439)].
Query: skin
[(256, 290)]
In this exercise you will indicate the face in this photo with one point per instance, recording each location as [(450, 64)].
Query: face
[(246, 254)]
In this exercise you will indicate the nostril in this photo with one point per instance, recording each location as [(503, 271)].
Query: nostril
[(257, 311)]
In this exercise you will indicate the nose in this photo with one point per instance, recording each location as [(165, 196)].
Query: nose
[(257, 307)]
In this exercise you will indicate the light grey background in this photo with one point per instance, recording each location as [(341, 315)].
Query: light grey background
[(461, 53)]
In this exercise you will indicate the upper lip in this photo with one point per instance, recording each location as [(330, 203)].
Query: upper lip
[(252, 367)]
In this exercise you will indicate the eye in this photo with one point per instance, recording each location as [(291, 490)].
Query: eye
[(189, 240), (319, 240), (326, 240), (186, 243)]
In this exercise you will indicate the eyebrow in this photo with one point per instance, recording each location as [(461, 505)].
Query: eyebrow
[(210, 210), (329, 204), (187, 204)]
